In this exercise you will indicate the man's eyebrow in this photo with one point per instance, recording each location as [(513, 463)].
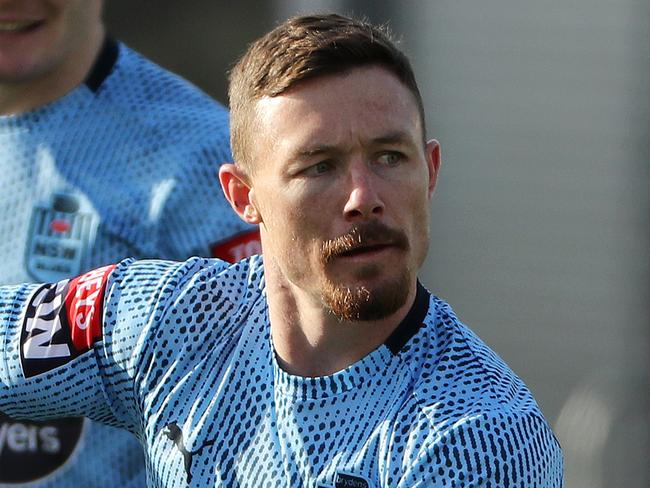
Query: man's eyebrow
[(314, 151), (397, 137), (393, 137)]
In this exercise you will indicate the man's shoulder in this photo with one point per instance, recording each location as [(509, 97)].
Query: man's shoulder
[(187, 312), (458, 376), (467, 405), (204, 277), (140, 84)]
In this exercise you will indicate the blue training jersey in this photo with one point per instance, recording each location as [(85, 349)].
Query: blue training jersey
[(181, 355), (123, 165)]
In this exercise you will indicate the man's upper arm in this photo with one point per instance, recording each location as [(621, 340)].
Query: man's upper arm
[(48, 335), (58, 343)]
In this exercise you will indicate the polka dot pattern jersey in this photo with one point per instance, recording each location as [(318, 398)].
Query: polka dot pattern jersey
[(186, 363)]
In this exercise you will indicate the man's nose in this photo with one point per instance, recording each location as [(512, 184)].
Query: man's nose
[(364, 201)]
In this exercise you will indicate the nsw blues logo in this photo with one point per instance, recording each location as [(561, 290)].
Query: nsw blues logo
[(61, 232)]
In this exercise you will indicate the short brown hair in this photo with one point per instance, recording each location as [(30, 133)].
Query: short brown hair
[(300, 49)]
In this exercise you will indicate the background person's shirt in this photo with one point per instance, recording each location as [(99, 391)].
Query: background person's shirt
[(123, 165)]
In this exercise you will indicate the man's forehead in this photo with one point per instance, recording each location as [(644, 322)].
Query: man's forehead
[(369, 102)]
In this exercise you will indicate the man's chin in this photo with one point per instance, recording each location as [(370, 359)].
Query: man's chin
[(365, 301)]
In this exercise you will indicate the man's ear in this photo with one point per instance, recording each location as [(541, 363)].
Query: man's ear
[(432, 151), (238, 192)]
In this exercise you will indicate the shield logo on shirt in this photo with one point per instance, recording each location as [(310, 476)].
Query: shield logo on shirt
[(60, 234)]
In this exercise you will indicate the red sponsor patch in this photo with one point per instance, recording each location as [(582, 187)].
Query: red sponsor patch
[(83, 304), (238, 247), (62, 321)]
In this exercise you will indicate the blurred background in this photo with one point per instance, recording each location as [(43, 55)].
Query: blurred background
[(540, 220)]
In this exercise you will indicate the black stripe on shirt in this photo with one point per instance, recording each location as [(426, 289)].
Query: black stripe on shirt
[(412, 322), (103, 65)]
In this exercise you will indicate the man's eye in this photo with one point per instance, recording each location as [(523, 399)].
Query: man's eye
[(319, 168), (390, 158)]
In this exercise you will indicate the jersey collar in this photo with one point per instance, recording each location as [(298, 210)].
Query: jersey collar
[(103, 65), (412, 322)]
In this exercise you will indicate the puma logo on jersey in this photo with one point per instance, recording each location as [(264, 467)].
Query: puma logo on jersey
[(62, 320), (175, 434)]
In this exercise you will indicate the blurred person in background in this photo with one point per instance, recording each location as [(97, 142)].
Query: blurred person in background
[(103, 155), (323, 364)]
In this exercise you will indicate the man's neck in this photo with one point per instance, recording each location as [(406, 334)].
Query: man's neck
[(309, 340), (23, 96)]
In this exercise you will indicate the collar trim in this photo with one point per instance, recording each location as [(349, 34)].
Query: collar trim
[(413, 321), (103, 65)]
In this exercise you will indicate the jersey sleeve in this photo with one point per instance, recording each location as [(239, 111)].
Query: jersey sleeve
[(73, 348), (491, 449)]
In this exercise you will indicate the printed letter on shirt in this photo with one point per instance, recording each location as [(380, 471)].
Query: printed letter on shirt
[(62, 321)]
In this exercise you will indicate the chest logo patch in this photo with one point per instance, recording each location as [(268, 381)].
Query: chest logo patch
[(346, 480), (60, 234)]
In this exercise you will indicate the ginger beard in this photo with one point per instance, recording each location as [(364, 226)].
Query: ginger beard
[(359, 302)]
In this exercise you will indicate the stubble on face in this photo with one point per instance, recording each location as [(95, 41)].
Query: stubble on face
[(361, 302)]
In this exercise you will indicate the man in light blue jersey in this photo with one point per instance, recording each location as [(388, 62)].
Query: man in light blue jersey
[(325, 364), (103, 155)]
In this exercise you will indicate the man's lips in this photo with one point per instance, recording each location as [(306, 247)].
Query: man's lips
[(364, 240), (365, 250)]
